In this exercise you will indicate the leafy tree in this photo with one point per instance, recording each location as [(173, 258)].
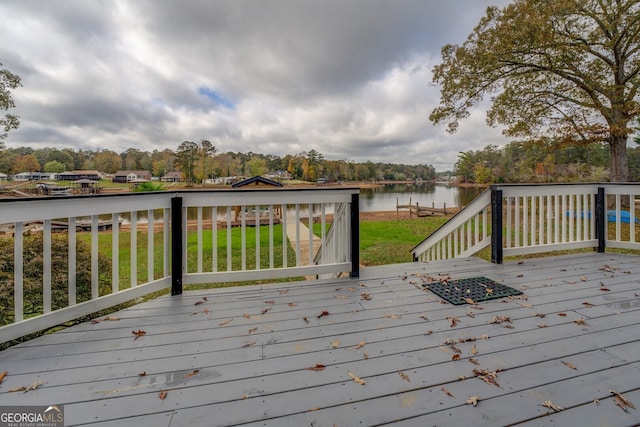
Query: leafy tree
[(186, 157), (8, 82), (107, 161), (54, 166), (566, 68), (26, 163), (256, 166)]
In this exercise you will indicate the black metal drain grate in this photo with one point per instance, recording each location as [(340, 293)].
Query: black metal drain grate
[(475, 288)]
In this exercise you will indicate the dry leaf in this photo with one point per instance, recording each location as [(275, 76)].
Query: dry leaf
[(138, 333), (525, 305), (500, 319), (562, 314), (264, 310), (226, 322), (356, 378), (551, 405), (270, 302), (191, 374), (25, 389), (605, 289), (424, 317), (249, 343), (198, 302), (246, 316), (581, 321), (429, 332), (283, 291), (474, 361), (305, 319), (544, 325), (569, 364), (453, 321), (583, 278), (474, 350), (455, 357), (316, 368), (361, 344), (587, 304), (470, 301), (365, 355), (162, 395), (292, 304), (447, 392), (252, 330), (485, 337), (404, 376), (2, 375), (335, 343), (393, 316), (621, 401), (352, 290), (365, 297), (540, 315), (473, 400), (471, 314), (324, 313), (142, 374), (341, 297), (486, 376)]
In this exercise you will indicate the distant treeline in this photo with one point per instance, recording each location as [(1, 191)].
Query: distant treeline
[(541, 161), (203, 162)]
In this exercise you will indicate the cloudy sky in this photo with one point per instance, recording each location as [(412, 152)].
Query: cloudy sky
[(348, 78)]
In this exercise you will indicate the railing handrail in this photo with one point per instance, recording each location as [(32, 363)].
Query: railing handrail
[(175, 267)]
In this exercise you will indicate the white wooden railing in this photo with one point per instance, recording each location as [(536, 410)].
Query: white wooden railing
[(185, 247), (525, 219)]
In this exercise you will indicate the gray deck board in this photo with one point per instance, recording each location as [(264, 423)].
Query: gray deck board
[(258, 376)]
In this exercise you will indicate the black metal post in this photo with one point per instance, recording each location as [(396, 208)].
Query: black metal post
[(176, 245), (601, 219), (496, 226), (355, 236)]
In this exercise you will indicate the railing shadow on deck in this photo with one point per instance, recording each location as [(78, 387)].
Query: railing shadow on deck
[(194, 237), (539, 218)]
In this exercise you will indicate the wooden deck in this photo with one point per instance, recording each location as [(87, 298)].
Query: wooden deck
[(238, 356)]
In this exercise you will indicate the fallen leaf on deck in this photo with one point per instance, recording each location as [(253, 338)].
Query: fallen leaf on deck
[(470, 301), (341, 297), (138, 333), (473, 400), (283, 291), (456, 350), (335, 343), (365, 355), (525, 305), (226, 322), (305, 319), (453, 321), (485, 337), (246, 316), (265, 310), (324, 313), (540, 315), (2, 375), (583, 278), (270, 302), (569, 364), (361, 344), (544, 325), (393, 316), (352, 289), (562, 314), (621, 401), (365, 297), (474, 350), (581, 321), (447, 392), (25, 389), (191, 374), (607, 268), (162, 395), (486, 376), (520, 275), (455, 357), (474, 361), (500, 319), (429, 332), (551, 405), (292, 304), (142, 374), (356, 379), (444, 349), (470, 314), (252, 330), (316, 368), (423, 316), (404, 376), (587, 304), (249, 344), (508, 326), (198, 302), (605, 289)]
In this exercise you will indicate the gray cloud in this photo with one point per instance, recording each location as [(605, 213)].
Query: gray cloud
[(349, 79)]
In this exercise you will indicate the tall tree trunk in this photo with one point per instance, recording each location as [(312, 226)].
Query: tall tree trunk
[(619, 167)]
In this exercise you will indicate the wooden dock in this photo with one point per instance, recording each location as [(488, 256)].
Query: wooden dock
[(422, 211), (375, 351)]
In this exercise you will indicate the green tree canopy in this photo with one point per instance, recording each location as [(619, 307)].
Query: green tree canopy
[(8, 82), (569, 69)]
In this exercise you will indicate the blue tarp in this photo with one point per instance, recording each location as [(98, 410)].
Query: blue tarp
[(625, 216)]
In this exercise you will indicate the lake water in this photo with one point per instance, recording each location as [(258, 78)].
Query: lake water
[(384, 198)]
